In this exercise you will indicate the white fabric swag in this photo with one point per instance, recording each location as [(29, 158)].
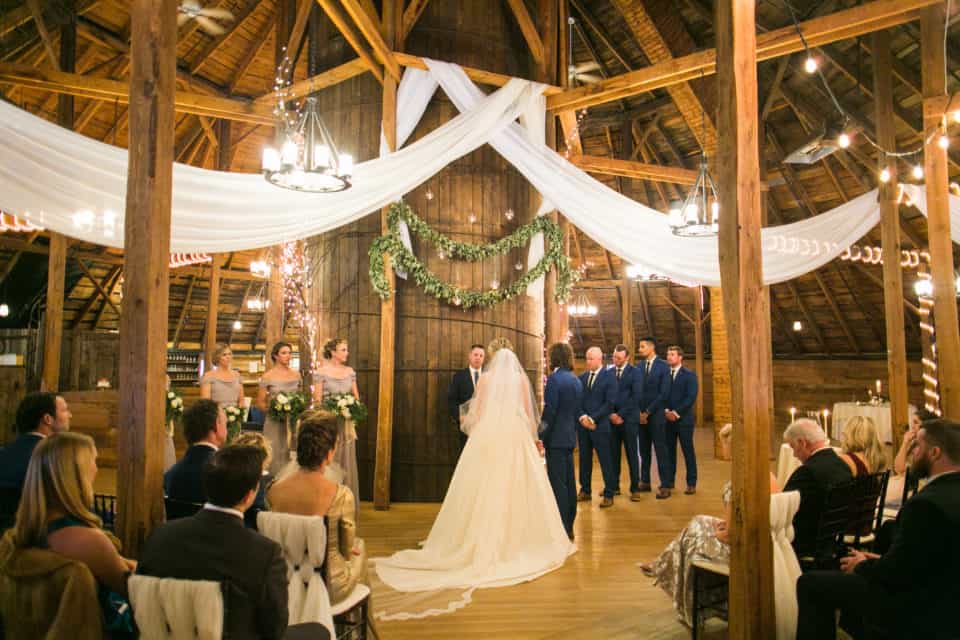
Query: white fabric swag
[(76, 186), (167, 608)]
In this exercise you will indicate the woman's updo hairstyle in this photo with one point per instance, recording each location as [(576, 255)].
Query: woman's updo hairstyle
[(317, 437), (331, 345), (276, 349)]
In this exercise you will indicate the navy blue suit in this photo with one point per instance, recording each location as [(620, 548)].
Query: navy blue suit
[(682, 399), (651, 390), (184, 480), (624, 436), (562, 401), (598, 403)]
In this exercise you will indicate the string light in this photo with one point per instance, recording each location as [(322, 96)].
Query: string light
[(797, 325), (810, 64), (885, 175), (917, 172), (843, 141), (237, 325), (943, 141)]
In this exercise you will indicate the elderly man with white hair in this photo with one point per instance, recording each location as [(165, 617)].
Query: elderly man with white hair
[(822, 468)]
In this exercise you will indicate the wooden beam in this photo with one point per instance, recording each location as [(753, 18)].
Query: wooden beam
[(936, 176), (111, 90), (371, 31), (747, 312), (529, 30), (322, 80), (243, 306), (890, 239), (183, 310), (842, 25), (112, 274), (626, 314), (143, 318), (783, 324), (835, 308), (259, 42), (213, 308), (340, 22), (53, 316), (111, 287), (477, 75), (218, 41), (598, 29), (636, 170), (15, 258), (97, 286), (410, 16), (645, 307), (37, 12)]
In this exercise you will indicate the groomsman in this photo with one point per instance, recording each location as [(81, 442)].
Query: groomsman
[(463, 384), (651, 387), (680, 416), (599, 396), (562, 399), (625, 421)]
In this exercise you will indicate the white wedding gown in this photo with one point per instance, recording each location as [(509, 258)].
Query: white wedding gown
[(499, 524)]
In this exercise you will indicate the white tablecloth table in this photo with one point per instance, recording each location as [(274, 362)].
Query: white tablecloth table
[(880, 414), (787, 463)]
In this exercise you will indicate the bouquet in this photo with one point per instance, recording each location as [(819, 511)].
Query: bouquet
[(174, 406), (346, 406), (287, 405), (234, 421)]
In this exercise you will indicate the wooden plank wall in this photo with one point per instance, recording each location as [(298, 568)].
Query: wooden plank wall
[(12, 388)]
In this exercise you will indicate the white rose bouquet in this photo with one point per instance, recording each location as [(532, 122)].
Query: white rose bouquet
[(346, 406), (174, 406), (234, 421), (287, 406)]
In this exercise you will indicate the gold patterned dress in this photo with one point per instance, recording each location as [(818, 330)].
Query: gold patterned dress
[(672, 570), (346, 553), (345, 455)]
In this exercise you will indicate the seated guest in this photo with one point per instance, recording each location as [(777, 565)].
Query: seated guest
[(39, 415), (911, 591), (704, 538), (55, 513), (308, 492), (214, 545), (861, 447), (821, 469), (258, 440), (205, 428)]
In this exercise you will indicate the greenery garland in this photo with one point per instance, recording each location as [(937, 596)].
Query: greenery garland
[(405, 260)]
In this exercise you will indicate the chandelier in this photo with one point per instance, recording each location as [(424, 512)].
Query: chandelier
[(308, 159), (642, 273), (699, 215), (582, 307)]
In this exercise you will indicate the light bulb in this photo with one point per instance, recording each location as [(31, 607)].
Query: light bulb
[(289, 152), (346, 164), (271, 159), (956, 116), (690, 212), (917, 172), (472, 219), (237, 325), (321, 156), (844, 140), (885, 175), (509, 214), (518, 266), (923, 287), (810, 65), (675, 218), (797, 325), (4, 310), (429, 194), (715, 210), (957, 284), (943, 141), (495, 284)]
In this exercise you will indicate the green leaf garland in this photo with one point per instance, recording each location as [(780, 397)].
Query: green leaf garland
[(405, 260)]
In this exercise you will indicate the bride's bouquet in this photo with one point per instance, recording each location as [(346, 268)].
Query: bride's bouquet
[(346, 406), (287, 406), (234, 421)]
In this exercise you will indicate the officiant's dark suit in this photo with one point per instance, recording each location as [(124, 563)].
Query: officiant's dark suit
[(562, 400), (651, 386), (599, 397), (461, 390)]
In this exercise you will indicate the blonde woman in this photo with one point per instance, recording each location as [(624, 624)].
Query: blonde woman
[(55, 513), (861, 447), (222, 384)]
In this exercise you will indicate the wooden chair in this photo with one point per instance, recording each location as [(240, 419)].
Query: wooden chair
[(834, 523), (866, 510), (180, 508), (105, 506)]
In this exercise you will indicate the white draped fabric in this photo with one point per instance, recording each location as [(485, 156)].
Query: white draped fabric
[(167, 608), (786, 568), (76, 186)]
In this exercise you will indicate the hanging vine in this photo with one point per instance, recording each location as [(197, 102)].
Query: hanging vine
[(405, 260)]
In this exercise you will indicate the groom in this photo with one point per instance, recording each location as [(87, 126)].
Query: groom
[(558, 430)]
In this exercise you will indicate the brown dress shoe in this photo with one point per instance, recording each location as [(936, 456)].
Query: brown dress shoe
[(663, 494), (583, 497), (690, 491), (644, 487), (606, 503), (635, 496)]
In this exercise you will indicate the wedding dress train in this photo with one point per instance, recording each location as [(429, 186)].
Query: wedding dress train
[(499, 524)]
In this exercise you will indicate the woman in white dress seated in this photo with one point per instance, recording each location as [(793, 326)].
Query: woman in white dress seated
[(499, 524)]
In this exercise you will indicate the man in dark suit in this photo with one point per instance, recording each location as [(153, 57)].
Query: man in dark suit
[(462, 386), (651, 385), (562, 399), (625, 421), (39, 415), (822, 468), (679, 414), (912, 590), (205, 428), (599, 396), (214, 545)]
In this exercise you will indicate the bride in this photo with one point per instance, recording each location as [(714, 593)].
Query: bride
[(499, 524)]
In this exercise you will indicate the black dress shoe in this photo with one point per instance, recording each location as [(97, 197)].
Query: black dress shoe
[(644, 487), (617, 492), (583, 497), (663, 494)]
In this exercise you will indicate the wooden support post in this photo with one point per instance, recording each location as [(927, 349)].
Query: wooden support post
[(890, 238), (213, 307), (392, 17), (53, 316), (938, 211), (720, 356), (68, 62), (143, 318), (748, 321), (626, 314), (273, 315)]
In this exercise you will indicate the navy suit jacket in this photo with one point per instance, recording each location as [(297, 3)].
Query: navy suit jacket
[(626, 405), (461, 390), (599, 401), (184, 480), (562, 402), (651, 389), (14, 459), (683, 396)]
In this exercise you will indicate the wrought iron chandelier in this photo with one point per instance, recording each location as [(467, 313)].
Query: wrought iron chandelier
[(643, 273), (307, 159), (582, 307), (699, 215)]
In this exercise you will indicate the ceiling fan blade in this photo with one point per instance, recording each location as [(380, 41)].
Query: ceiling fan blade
[(589, 78), (219, 14), (182, 18), (584, 67), (189, 5), (210, 26)]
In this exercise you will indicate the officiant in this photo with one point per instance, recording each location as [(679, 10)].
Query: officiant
[(463, 384)]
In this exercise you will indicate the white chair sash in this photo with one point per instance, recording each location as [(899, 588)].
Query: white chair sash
[(176, 609), (786, 568)]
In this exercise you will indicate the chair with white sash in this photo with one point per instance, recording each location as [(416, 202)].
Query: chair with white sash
[(168, 608)]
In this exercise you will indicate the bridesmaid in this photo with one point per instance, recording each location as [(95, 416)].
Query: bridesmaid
[(169, 450), (281, 378), (332, 378), (222, 384)]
